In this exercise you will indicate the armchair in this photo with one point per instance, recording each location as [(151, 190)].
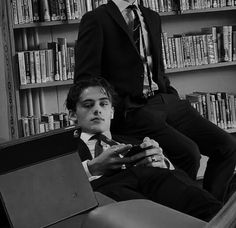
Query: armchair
[(25, 152)]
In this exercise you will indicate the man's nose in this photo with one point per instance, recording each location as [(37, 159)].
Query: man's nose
[(97, 109)]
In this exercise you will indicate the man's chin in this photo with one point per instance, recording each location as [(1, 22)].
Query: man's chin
[(97, 129)]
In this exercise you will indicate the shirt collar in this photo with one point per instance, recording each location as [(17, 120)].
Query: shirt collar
[(86, 136), (122, 5)]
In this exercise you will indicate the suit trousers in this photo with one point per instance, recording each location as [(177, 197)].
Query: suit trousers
[(184, 135), (173, 189)]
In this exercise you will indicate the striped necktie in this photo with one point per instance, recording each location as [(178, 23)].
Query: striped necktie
[(137, 35), (136, 26)]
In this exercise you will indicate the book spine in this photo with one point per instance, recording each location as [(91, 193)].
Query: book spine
[(22, 70), (27, 67), (43, 66), (35, 8), (30, 8), (25, 126), (32, 67), (53, 9), (44, 9), (234, 45), (37, 66), (68, 10), (15, 12)]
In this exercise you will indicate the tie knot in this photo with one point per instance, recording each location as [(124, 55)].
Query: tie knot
[(103, 138), (132, 7)]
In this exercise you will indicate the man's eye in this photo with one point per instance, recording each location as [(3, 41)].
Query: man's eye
[(87, 105), (104, 103)]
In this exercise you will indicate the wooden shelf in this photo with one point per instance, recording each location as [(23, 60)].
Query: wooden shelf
[(46, 84), (209, 10), (45, 24), (231, 130), (171, 13), (201, 67)]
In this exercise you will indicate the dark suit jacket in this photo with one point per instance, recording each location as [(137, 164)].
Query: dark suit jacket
[(106, 48)]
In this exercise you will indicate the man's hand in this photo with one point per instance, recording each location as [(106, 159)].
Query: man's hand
[(109, 160), (152, 157)]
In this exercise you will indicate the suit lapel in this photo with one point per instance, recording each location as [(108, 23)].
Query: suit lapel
[(83, 150), (151, 27), (118, 18)]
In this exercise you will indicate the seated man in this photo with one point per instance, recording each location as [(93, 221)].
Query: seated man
[(121, 177)]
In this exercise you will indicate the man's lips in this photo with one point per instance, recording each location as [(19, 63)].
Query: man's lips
[(97, 119)]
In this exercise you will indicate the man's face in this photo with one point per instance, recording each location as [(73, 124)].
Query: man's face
[(94, 110)]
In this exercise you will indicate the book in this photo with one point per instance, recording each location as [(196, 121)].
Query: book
[(32, 67), (62, 48), (22, 70), (31, 125), (27, 67), (234, 45), (43, 66), (44, 10), (35, 9), (19, 4), (30, 102), (54, 47), (53, 10), (15, 12), (25, 126), (37, 67)]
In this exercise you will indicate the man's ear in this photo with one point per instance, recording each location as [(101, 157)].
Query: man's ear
[(72, 115), (112, 113)]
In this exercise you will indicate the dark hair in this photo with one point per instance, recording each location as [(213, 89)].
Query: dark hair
[(77, 89)]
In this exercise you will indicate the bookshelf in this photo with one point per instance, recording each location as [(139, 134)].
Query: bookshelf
[(49, 97)]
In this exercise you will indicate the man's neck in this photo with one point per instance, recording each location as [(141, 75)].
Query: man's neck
[(106, 133), (130, 1)]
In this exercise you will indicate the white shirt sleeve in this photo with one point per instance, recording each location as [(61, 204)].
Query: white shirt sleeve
[(89, 175), (169, 164)]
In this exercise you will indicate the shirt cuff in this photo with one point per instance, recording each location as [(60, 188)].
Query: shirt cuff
[(89, 175), (169, 164)]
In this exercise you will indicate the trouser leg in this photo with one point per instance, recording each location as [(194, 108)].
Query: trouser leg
[(176, 190), (213, 142)]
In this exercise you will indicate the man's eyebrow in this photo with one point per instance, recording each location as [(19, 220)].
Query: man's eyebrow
[(92, 100), (104, 98)]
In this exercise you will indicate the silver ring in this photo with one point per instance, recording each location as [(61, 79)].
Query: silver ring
[(123, 166), (153, 158)]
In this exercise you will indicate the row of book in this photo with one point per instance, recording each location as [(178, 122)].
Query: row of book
[(32, 125), (204, 4), (218, 107), (212, 45), (161, 5), (28, 11), (46, 65)]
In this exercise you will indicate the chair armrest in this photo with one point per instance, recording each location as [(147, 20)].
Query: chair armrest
[(226, 217), (139, 214), (103, 199)]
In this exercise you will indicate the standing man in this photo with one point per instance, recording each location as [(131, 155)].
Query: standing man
[(122, 42), (151, 177)]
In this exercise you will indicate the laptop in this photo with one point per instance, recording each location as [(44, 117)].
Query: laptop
[(46, 192)]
